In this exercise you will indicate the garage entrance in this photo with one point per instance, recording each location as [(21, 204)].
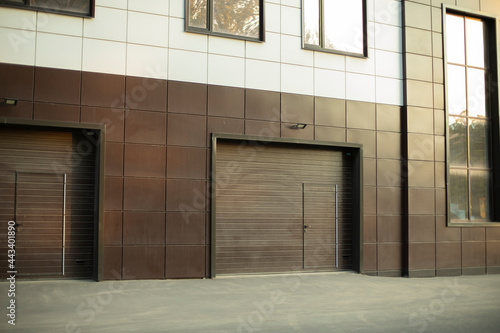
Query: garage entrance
[(283, 207), (48, 187)]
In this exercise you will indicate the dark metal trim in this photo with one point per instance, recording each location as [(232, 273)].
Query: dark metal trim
[(27, 5), (357, 183), (100, 157)]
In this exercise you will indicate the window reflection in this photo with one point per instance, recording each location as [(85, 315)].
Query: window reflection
[(456, 90), (198, 13), (479, 143), (480, 183), (76, 6), (459, 205), (458, 141), (311, 22), (236, 17), (475, 42), (344, 25), (476, 92), (455, 44)]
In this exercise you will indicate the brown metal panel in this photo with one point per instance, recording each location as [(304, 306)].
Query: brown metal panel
[(266, 193)]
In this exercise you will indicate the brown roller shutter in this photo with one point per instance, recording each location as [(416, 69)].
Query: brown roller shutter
[(48, 180), (282, 208)]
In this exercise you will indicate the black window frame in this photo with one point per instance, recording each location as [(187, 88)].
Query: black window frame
[(29, 6), (209, 31), (493, 103), (321, 47)]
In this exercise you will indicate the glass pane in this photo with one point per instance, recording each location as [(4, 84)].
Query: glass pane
[(13, 1), (237, 17), (344, 25), (475, 42), (457, 103), (455, 39), (480, 191), (75, 6), (459, 206), (479, 143), (198, 14), (476, 92), (458, 141), (311, 22)]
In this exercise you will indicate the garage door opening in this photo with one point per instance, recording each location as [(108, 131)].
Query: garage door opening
[(281, 206)]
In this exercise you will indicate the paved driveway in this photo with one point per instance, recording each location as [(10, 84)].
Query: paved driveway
[(334, 302)]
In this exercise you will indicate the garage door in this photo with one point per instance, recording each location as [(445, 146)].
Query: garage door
[(47, 185), (282, 208)]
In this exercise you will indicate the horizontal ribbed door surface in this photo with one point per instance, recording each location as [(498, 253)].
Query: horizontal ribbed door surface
[(260, 202)]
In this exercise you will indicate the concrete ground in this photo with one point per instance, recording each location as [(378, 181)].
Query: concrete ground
[(333, 302)]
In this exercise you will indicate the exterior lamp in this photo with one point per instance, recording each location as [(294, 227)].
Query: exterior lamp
[(298, 126)]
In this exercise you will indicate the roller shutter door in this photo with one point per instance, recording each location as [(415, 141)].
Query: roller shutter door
[(282, 208), (47, 185)]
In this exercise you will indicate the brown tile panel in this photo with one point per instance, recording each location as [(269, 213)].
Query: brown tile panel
[(389, 200), (366, 138), (370, 229), (262, 105), (186, 162), (113, 193), (474, 234), (389, 173), (420, 120), (288, 132), (440, 174), (143, 262), (16, 81), (370, 257), (112, 263), (112, 118), (226, 101), (297, 109), (147, 194), (104, 90), (421, 147), (329, 112), (23, 110), (422, 256), (388, 118), (421, 201), (146, 94), (185, 261), (113, 164), (370, 172), (422, 228), (421, 174), (144, 228), (448, 255), (224, 125), (263, 128), (473, 254), (389, 145), (187, 97), (186, 195), (187, 228), (493, 253), (441, 202), (186, 130), (493, 234), (333, 134), (144, 161), (360, 115), (56, 112), (444, 233), (389, 229), (439, 122), (113, 228), (145, 127), (57, 85), (389, 256), (370, 200)]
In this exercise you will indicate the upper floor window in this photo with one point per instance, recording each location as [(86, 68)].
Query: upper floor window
[(335, 26), (472, 109), (241, 19), (71, 7)]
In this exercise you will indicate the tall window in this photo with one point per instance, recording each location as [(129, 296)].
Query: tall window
[(471, 108), (231, 18), (335, 26), (72, 7)]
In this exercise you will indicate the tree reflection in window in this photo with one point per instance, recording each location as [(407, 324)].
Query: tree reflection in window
[(78, 7)]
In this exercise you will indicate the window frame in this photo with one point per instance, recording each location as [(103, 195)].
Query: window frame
[(321, 47), (208, 30), (28, 6), (492, 102)]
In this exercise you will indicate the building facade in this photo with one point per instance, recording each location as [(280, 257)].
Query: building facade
[(189, 139)]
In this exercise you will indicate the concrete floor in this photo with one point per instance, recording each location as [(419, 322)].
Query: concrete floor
[(334, 302)]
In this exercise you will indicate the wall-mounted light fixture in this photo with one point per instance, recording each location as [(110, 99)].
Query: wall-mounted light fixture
[(298, 126), (8, 101)]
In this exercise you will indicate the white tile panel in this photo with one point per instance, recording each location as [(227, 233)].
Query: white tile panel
[(292, 3), (147, 29), (17, 18), (179, 39), (226, 46), (103, 56), (263, 75), (292, 52), (388, 12), (58, 51), (389, 91), (388, 37), (329, 61), (18, 47), (122, 4), (297, 79), (328, 83), (370, 8), (291, 21), (274, 1), (389, 64), (272, 16), (226, 71), (176, 8), (270, 50), (147, 61), (361, 65), (187, 66), (109, 24), (60, 24), (159, 7), (371, 34), (360, 87)]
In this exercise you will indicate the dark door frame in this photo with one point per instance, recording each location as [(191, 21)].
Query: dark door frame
[(357, 178), (100, 143)]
